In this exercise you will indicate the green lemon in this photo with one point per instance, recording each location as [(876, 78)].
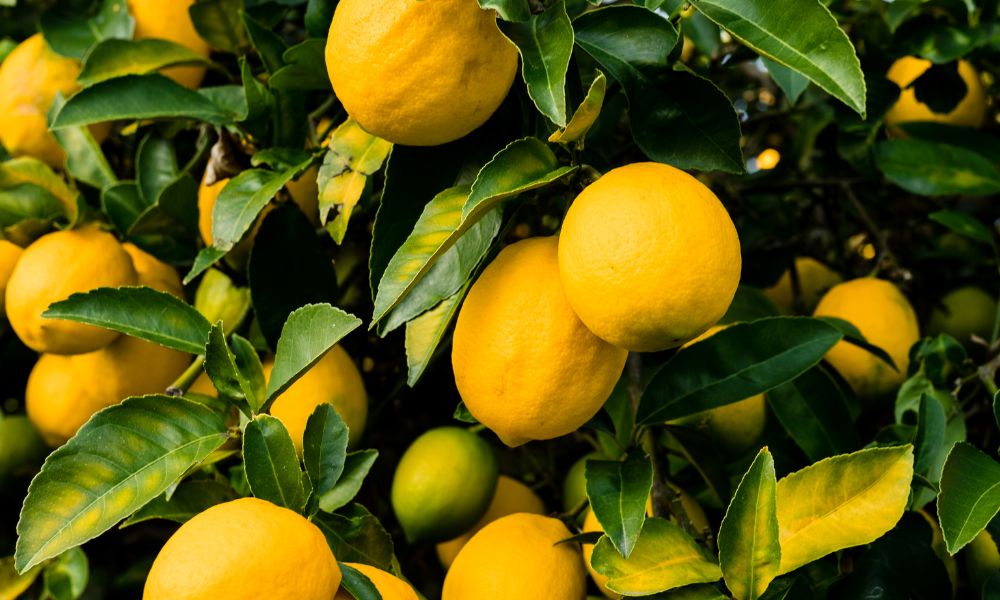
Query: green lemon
[(20, 444), (443, 484), (964, 312), (575, 484)]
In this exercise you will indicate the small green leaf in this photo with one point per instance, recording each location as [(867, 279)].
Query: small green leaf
[(791, 82), (242, 199), (85, 161), (67, 576), (268, 44), (237, 379), (930, 436), (155, 166), (424, 334), (585, 115), (272, 464), (191, 497), (965, 224), (302, 62), (71, 34), (812, 408), (969, 497), (355, 535), (356, 467), (357, 584), (324, 448), (618, 492), (219, 22), (934, 169), (116, 57)]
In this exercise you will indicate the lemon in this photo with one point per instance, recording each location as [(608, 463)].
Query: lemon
[(575, 484), (443, 484), (418, 73), (153, 272), (525, 366), (885, 318), (388, 585), (20, 445), (203, 385), (649, 257), (518, 556), (982, 559), (815, 279), (170, 21), (970, 111), (963, 313), (247, 548), (9, 253), (51, 269), (510, 497)]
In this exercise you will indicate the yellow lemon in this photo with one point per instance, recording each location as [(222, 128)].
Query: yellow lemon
[(170, 21), (815, 279), (511, 496), (443, 484), (334, 380), (247, 548), (768, 159), (518, 556), (203, 385), (207, 196), (388, 585), (963, 313), (885, 318), (982, 560), (525, 366), (153, 272), (970, 111), (649, 257), (418, 73), (51, 269), (9, 253)]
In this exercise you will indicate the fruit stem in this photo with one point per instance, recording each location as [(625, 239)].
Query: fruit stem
[(183, 382)]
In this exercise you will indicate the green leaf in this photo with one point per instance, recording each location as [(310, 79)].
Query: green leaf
[(618, 492), (137, 97), (85, 161), (324, 448), (357, 584), (123, 204), (664, 558), (191, 497), (509, 10), (800, 34), (791, 82), (736, 363), (965, 224), (355, 535), (955, 135), (930, 436), (155, 166), (424, 334), (356, 467), (219, 22), (585, 115), (969, 497), (116, 57), (545, 42), (241, 201), (268, 44), (934, 169), (302, 62), (67, 576), (88, 485), (319, 14), (231, 383), (749, 304), (140, 312), (308, 334), (30, 189), (749, 552), (272, 464), (812, 408), (72, 35), (842, 501)]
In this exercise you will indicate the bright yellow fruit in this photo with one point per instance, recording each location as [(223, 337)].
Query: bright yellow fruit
[(51, 269), (204, 386), (885, 318), (153, 272), (981, 560), (388, 585), (170, 21), (9, 253), (649, 257), (970, 112), (247, 549), (443, 484), (517, 557), (510, 497), (419, 73), (525, 366), (963, 313), (815, 279)]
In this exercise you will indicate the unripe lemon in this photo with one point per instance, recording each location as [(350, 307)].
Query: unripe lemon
[(815, 279), (388, 585), (510, 497), (518, 556), (885, 318), (982, 560), (153, 272), (649, 257), (575, 484), (418, 73), (443, 484), (170, 21), (9, 253), (246, 548), (20, 445), (525, 366), (963, 313), (51, 269), (970, 112)]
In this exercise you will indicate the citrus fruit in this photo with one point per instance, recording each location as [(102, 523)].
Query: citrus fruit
[(418, 73), (154, 273), (388, 585), (20, 445), (970, 111), (443, 484), (511, 496), (525, 366), (246, 548), (55, 266), (982, 559), (170, 21), (963, 313), (885, 318), (203, 385), (518, 556), (9, 253), (815, 279), (575, 484), (649, 257)]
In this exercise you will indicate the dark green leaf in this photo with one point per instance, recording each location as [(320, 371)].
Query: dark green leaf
[(813, 410), (155, 166), (270, 47), (964, 224), (67, 576), (70, 35), (116, 57), (218, 21), (934, 169), (357, 584), (222, 368), (122, 203), (955, 135), (319, 14), (190, 498), (355, 535), (930, 434), (791, 82), (356, 467), (749, 304), (302, 62), (85, 161), (324, 448), (272, 464), (969, 497), (618, 493)]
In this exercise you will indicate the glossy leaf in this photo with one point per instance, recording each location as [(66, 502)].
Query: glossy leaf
[(357, 584), (116, 57), (813, 410), (356, 468), (71, 34), (355, 535), (842, 501), (301, 63), (509, 10), (238, 378), (218, 21), (933, 169), (618, 492), (54, 198), (964, 224), (140, 312), (66, 577), (272, 464), (969, 497), (191, 497), (85, 161), (791, 82), (241, 201), (585, 115), (155, 166), (930, 435), (324, 448), (424, 334), (88, 485)]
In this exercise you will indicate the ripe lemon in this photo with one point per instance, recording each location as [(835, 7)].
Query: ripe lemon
[(51, 269), (970, 111), (418, 73), (247, 548), (525, 365), (510, 497), (388, 585), (981, 559), (153, 272), (575, 484), (443, 484), (815, 279), (963, 313), (204, 386), (518, 556), (884, 316), (9, 253), (649, 257), (170, 21)]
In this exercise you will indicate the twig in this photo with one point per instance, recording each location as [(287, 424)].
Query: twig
[(178, 387)]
